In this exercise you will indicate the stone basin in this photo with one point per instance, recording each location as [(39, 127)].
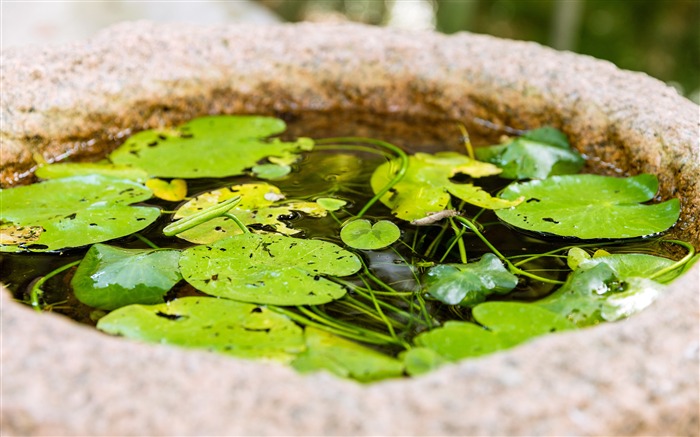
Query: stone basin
[(636, 377)]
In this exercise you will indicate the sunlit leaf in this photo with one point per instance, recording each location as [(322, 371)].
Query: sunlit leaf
[(589, 207), (469, 284), (426, 187), (535, 155), (68, 169), (215, 146), (269, 269), (172, 191), (72, 212), (262, 205), (220, 325), (345, 358), (111, 277), (362, 234)]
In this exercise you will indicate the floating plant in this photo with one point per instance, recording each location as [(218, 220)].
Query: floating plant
[(340, 254)]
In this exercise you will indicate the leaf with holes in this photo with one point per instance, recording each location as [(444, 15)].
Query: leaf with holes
[(71, 212), (269, 269), (344, 358), (589, 207), (262, 206), (362, 234), (426, 187), (218, 325), (216, 146), (111, 277), (537, 154), (469, 284)]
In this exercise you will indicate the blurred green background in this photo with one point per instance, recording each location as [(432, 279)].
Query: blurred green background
[(659, 37)]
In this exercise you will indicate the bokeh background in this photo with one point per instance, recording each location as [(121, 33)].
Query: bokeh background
[(659, 37)]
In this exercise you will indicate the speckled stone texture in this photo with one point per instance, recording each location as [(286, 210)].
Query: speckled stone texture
[(637, 377)]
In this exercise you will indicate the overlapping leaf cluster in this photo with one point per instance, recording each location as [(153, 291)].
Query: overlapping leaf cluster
[(264, 293)]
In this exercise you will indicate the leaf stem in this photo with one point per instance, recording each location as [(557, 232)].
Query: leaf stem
[(36, 292), (511, 266), (146, 241), (200, 217), (238, 222), (680, 263), (403, 165)]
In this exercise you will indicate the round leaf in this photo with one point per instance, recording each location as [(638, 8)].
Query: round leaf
[(269, 269), (216, 146), (111, 277), (68, 169), (590, 207), (361, 234), (220, 325), (469, 284), (72, 212)]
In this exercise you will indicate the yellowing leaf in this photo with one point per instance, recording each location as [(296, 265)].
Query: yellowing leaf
[(173, 191), (426, 187), (262, 206), (12, 235)]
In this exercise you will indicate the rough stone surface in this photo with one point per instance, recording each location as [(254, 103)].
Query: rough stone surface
[(637, 377)]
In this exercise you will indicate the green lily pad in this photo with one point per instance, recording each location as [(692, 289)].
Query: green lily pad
[(421, 360), (589, 207), (469, 284), (362, 234), (219, 325), (344, 358), (516, 322), (216, 146), (111, 277), (538, 154), (506, 324), (262, 205), (71, 212), (607, 288), (68, 169), (269, 269), (426, 187)]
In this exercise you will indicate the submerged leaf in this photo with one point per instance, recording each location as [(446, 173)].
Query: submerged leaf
[(607, 288), (261, 204), (331, 203), (111, 277), (269, 269), (538, 154), (590, 207), (344, 358), (426, 187), (361, 234), (271, 171), (72, 212), (216, 146), (220, 325), (469, 284)]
